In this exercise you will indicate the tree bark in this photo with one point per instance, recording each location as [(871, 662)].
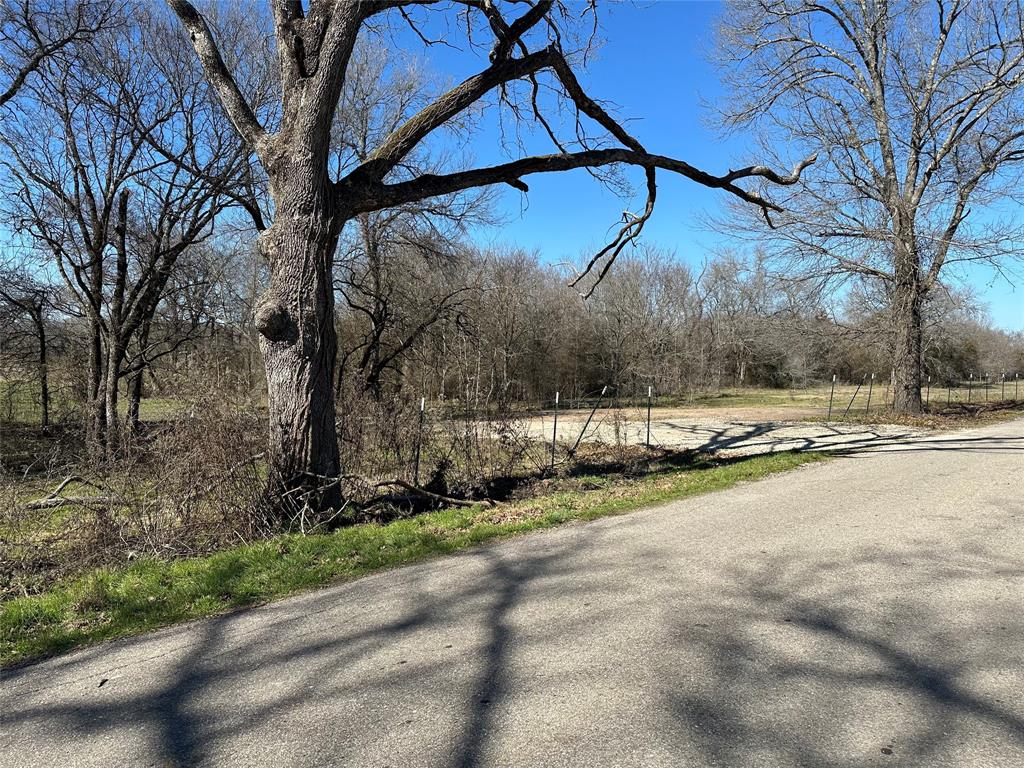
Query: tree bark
[(908, 298), (298, 340), (134, 401), (135, 383), (97, 425), (115, 358), (44, 378)]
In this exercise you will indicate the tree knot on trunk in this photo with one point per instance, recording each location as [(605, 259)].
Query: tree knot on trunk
[(274, 322)]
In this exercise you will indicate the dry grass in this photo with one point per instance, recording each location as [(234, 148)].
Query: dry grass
[(153, 592)]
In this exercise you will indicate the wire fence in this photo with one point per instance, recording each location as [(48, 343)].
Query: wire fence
[(420, 438), (555, 434)]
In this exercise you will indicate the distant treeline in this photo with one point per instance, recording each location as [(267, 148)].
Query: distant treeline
[(492, 328)]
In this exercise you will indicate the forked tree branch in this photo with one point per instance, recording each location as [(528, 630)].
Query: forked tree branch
[(231, 97), (367, 177), (450, 104), (326, 36), (89, 19)]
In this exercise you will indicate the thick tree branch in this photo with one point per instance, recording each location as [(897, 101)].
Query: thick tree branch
[(234, 102), (375, 197), (398, 145)]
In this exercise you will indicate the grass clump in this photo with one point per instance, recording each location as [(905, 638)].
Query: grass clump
[(150, 593)]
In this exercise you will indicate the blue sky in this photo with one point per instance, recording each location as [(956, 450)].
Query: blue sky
[(653, 71), (653, 68)]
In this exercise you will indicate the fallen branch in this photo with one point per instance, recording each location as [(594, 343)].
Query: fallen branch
[(976, 409), (54, 500), (431, 495), (67, 481), (64, 501)]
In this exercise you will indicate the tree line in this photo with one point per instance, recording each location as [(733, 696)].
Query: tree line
[(495, 330)]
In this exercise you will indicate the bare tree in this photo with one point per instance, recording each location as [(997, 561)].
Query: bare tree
[(385, 260), (314, 48), (32, 31), (28, 300), (91, 188), (399, 293), (916, 108)]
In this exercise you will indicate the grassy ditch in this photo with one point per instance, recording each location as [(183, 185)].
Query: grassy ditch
[(150, 593)]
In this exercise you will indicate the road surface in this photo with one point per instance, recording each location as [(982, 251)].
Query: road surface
[(867, 611)]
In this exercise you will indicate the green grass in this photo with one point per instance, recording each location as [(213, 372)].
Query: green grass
[(107, 604), (19, 403), (752, 397)]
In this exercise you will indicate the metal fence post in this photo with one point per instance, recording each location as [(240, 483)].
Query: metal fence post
[(831, 394), (650, 389), (871, 386), (855, 392), (928, 392), (970, 386), (554, 432), (589, 419)]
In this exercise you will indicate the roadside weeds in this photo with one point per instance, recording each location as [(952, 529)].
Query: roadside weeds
[(150, 593)]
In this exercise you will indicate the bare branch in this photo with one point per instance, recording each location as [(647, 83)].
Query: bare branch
[(235, 103), (374, 197)]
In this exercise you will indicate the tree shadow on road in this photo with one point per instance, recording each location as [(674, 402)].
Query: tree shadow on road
[(199, 696), (845, 663), (845, 439), (811, 656)]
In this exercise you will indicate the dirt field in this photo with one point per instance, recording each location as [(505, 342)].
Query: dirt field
[(740, 430), (753, 420)]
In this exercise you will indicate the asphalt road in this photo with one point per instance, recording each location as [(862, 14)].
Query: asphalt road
[(867, 611)]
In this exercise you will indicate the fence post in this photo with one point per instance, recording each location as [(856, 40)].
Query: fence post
[(986, 387), (649, 391), (1002, 386), (949, 393), (871, 386), (831, 394), (554, 432), (928, 392), (589, 418), (1016, 381), (855, 392), (419, 441), (970, 386)]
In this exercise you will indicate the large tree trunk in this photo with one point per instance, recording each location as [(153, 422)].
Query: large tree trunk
[(295, 319), (134, 424), (135, 383), (907, 353)]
